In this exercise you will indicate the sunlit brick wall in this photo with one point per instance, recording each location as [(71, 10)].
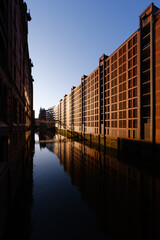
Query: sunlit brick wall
[(121, 97), (157, 76), (77, 108)]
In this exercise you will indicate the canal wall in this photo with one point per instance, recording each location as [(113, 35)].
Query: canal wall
[(143, 151), (92, 140), (125, 147)]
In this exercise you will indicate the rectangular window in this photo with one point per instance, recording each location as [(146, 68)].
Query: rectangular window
[(130, 103), (134, 71), (134, 82), (130, 113), (124, 123), (130, 54), (130, 123), (130, 74), (134, 39), (124, 105), (3, 102), (15, 73), (134, 61), (14, 110), (135, 113), (130, 64), (130, 44), (135, 92), (135, 50), (20, 114), (134, 123), (3, 149), (135, 102)]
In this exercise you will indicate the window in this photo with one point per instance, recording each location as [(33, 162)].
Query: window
[(130, 64), (135, 102), (129, 83), (14, 110), (130, 113), (130, 94), (129, 133), (135, 50), (120, 124), (15, 73), (134, 61), (134, 40), (134, 123), (20, 114), (3, 149), (145, 21), (130, 54), (124, 123), (130, 44), (124, 105), (135, 82), (134, 71), (130, 104), (135, 92), (3, 101), (120, 115), (130, 74), (130, 123), (134, 113), (3, 54)]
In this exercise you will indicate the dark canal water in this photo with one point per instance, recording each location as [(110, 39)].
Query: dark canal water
[(72, 191)]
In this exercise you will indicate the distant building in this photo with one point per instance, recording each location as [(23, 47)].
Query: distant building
[(121, 97), (42, 114), (50, 113)]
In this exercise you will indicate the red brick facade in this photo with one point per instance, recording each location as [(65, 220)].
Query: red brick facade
[(121, 97)]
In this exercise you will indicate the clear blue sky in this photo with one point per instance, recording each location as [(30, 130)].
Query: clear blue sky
[(67, 37)]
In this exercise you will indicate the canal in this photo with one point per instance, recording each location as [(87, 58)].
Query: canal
[(72, 191)]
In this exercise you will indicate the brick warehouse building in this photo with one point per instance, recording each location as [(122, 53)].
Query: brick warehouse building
[(16, 98), (16, 82), (121, 97)]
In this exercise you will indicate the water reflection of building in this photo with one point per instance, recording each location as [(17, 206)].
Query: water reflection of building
[(13, 174), (45, 136), (124, 198), (16, 98)]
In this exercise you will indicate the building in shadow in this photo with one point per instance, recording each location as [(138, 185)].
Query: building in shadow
[(42, 114), (16, 97)]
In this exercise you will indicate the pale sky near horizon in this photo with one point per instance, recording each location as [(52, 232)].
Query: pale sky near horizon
[(67, 37)]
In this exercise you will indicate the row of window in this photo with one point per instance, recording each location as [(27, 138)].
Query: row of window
[(17, 108), (122, 124), (3, 101)]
